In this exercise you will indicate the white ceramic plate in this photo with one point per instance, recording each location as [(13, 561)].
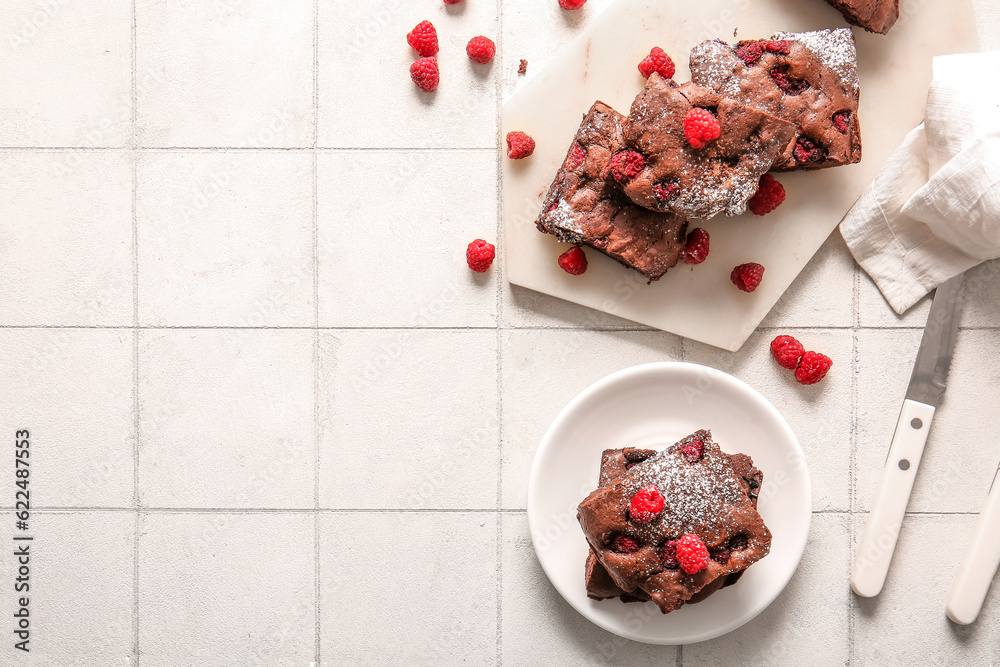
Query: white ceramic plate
[(653, 406)]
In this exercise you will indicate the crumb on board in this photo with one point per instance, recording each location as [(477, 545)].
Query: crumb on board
[(523, 67)]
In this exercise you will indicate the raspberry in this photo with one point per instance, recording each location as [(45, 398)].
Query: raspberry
[(782, 46), (519, 145), (701, 127), (657, 61), (480, 255), (749, 52), (424, 39), (787, 351), (842, 121), (747, 276), (452, 2), (668, 555), (692, 554), (626, 165), (812, 368), (573, 261), (481, 49), (694, 451), (646, 505), (696, 249), (572, 4), (576, 157), (770, 194), (807, 152), (787, 84), (720, 556), (424, 73), (624, 544), (666, 191)]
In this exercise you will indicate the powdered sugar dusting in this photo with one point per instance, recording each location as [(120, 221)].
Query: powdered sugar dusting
[(835, 49)]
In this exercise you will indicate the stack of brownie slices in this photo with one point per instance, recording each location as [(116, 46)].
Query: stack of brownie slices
[(705, 493), (629, 184)]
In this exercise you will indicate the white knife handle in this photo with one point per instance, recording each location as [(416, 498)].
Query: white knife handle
[(879, 539), (980, 563)]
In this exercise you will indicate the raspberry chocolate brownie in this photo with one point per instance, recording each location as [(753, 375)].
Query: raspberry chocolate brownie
[(809, 79), (614, 464), (674, 523), (690, 151), (872, 15), (584, 207)]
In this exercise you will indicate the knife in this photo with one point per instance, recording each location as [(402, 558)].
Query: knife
[(980, 564), (927, 385)]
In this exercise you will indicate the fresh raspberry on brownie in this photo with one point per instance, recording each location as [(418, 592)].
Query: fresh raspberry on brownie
[(809, 79), (698, 182), (584, 206)]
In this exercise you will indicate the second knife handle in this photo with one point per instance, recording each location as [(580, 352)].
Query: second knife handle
[(878, 542), (982, 558)]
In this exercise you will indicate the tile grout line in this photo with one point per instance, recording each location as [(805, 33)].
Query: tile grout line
[(317, 588), (612, 330), (133, 145), (856, 304), (499, 336), (268, 149)]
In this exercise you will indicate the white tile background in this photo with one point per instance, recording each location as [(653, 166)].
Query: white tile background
[(276, 420)]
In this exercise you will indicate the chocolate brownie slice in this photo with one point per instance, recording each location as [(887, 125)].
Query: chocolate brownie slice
[(809, 79), (872, 15), (704, 496), (661, 171), (582, 207), (614, 463)]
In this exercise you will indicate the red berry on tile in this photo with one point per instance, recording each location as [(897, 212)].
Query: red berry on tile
[(624, 544), (700, 127), (770, 194), (481, 49), (696, 248), (519, 145), (694, 451), (747, 276), (668, 555), (692, 554), (787, 351), (812, 368), (424, 73), (573, 261), (572, 4), (626, 165), (646, 505), (480, 255), (424, 39), (657, 61), (749, 52)]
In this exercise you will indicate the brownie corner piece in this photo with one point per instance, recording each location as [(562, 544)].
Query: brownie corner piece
[(583, 207), (809, 79)]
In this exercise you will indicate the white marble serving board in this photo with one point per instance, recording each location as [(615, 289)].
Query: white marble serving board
[(700, 302)]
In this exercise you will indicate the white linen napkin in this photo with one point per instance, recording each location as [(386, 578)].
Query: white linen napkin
[(933, 211)]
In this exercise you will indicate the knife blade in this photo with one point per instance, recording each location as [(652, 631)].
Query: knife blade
[(923, 395)]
